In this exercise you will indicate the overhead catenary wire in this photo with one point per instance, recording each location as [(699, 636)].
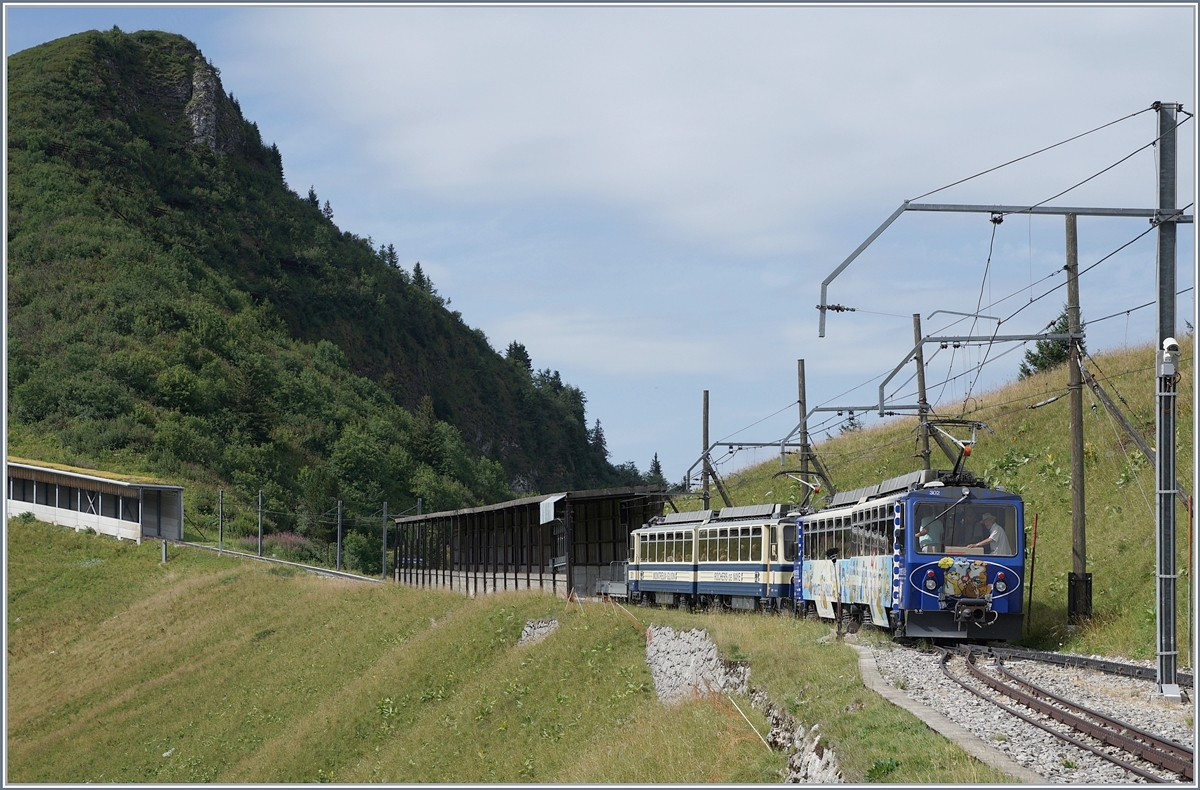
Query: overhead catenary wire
[(1131, 309), (1082, 271), (1035, 153), (1120, 161)]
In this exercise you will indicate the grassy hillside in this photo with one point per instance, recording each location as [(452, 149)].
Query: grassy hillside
[(214, 669), (1030, 454), (175, 308)]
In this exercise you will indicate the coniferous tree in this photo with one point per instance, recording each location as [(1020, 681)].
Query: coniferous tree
[(655, 473), (1047, 354), (596, 440), (517, 354), (419, 277), (392, 258), (327, 211), (312, 198)]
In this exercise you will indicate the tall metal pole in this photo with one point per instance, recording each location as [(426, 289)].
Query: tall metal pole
[(704, 472), (220, 520), (1079, 582), (383, 568), (260, 522), (338, 564), (1168, 376), (922, 400), (803, 418)]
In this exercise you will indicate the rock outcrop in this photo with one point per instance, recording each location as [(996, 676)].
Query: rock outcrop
[(536, 630), (215, 122), (685, 665)]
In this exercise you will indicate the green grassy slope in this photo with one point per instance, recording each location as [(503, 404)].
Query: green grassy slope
[(215, 669), (1030, 454)]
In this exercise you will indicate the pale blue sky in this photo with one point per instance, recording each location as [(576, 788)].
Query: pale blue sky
[(649, 198)]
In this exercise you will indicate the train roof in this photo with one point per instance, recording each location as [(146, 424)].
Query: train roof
[(909, 482), (727, 515)]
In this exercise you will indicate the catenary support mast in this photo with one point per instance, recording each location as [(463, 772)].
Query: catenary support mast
[(1079, 583), (1168, 376)]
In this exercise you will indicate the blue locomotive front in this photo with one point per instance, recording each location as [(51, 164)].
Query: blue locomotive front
[(924, 555), (960, 565)]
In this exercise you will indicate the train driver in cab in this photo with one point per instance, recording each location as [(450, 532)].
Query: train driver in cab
[(929, 536), (996, 541)]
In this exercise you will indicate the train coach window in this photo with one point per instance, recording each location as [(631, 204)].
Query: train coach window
[(774, 550), (756, 545), (743, 545), (789, 543), (687, 547), (723, 546)]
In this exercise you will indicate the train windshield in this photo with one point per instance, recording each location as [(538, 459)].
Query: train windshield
[(970, 527)]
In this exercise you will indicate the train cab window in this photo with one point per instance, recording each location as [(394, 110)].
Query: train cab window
[(977, 527), (789, 543)]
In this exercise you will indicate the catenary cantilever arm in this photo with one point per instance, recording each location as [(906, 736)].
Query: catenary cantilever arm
[(1081, 211)]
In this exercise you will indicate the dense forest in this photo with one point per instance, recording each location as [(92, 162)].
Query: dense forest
[(175, 308)]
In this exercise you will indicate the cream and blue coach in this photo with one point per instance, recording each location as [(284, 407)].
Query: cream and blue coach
[(738, 557)]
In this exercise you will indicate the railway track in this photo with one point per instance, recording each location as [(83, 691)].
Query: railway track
[(1067, 660), (1137, 744)]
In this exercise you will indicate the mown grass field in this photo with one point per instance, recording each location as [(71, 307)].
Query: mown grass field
[(1030, 454), (217, 669)]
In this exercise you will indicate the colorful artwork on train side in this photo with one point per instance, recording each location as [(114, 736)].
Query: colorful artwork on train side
[(868, 581), (860, 580), (819, 585)]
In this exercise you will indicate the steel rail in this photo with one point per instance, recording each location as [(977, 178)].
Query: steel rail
[(1147, 775), (1175, 756), (1107, 730), (1098, 664)]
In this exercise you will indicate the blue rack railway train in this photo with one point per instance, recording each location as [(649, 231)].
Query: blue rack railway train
[(930, 554)]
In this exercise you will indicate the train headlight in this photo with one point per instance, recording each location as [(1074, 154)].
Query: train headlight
[(1000, 585), (930, 581)]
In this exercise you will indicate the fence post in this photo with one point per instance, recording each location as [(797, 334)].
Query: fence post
[(339, 537), (383, 571), (220, 521), (260, 522)]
